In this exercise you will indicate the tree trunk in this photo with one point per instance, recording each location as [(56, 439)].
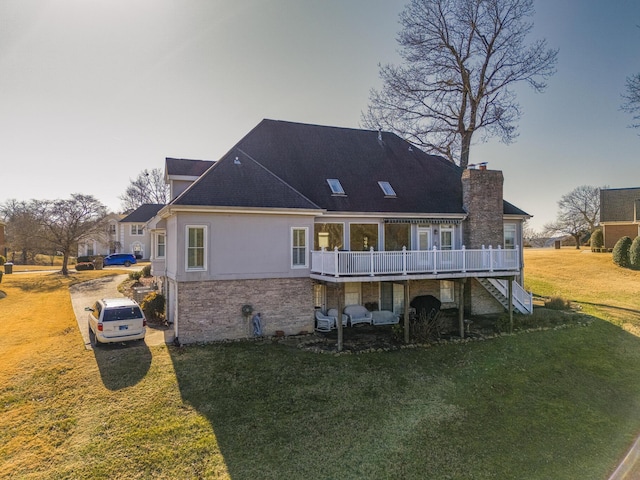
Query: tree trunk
[(65, 262), (465, 148), (577, 239)]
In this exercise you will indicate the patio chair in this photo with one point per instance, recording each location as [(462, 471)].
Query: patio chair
[(327, 322)]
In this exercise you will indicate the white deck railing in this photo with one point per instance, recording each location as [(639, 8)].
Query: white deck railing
[(406, 262)]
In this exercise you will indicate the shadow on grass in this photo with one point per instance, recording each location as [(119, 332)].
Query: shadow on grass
[(440, 412), (122, 365)]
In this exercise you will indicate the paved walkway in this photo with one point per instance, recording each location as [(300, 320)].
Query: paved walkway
[(86, 293)]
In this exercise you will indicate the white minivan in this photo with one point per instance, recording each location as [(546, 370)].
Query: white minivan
[(116, 320)]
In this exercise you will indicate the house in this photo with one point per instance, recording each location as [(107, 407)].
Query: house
[(133, 235), (123, 234), (298, 217), (619, 214), (104, 243)]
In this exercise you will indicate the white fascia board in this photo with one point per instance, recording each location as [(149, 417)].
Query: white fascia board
[(170, 210)]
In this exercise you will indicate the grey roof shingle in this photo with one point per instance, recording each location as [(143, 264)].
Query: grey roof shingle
[(287, 164), (618, 204), (143, 213), (185, 167)]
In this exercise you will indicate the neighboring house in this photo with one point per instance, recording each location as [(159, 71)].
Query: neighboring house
[(297, 217), (105, 243), (133, 235), (619, 214)]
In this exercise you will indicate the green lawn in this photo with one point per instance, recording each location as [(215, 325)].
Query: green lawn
[(559, 403)]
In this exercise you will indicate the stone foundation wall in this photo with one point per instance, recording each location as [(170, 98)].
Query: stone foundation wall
[(483, 302), (212, 310)]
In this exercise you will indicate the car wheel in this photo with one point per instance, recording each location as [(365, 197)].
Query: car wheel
[(92, 338), (127, 263)]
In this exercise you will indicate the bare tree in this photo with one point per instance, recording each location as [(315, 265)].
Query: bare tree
[(578, 214), (23, 229), (631, 99), (148, 187), (583, 202), (65, 222), (462, 59)]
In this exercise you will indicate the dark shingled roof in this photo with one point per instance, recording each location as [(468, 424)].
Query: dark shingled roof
[(185, 167), (143, 213), (285, 164), (619, 204)]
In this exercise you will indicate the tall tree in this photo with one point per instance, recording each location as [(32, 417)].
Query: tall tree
[(578, 213), (148, 187), (631, 99), (65, 222), (462, 59), (23, 228)]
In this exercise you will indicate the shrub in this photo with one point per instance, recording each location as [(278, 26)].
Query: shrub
[(153, 305), (634, 253), (146, 271), (84, 266), (558, 303), (3, 260), (621, 252), (135, 275), (597, 240)]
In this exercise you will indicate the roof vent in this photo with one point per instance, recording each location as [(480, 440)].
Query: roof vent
[(236, 161), (379, 134)]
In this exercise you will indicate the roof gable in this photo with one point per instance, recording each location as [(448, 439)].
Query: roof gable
[(240, 181)]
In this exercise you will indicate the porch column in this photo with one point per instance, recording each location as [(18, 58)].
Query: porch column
[(510, 304), (406, 311), (339, 319), (461, 306)]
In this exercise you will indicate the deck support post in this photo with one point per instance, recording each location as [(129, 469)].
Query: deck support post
[(510, 304), (461, 306), (406, 311), (340, 295)]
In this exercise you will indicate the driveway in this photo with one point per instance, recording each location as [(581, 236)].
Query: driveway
[(86, 293)]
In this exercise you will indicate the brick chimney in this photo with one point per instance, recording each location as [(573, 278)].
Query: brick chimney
[(482, 200)]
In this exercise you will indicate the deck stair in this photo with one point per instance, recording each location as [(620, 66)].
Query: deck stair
[(522, 300)]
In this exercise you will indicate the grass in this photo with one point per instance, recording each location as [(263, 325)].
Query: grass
[(559, 403)]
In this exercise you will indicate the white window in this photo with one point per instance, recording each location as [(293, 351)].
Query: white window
[(196, 247), (335, 186), (446, 237), (299, 241), (112, 228), (387, 189), (510, 235), (137, 229), (447, 291), (160, 245)]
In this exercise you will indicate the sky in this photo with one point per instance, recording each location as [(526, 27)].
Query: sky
[(93, 92)]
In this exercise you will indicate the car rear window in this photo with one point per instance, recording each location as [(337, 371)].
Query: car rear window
[(121, 313)]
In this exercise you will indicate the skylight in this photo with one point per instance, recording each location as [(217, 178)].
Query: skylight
[(387, 189), (336, 187)]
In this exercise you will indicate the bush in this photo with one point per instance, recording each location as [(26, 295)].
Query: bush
[(135, 275), (634, 253), (146, 271), (557, 303), (621, 252), (84, 266), (153, 305), (597, 240), (3, 260)]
